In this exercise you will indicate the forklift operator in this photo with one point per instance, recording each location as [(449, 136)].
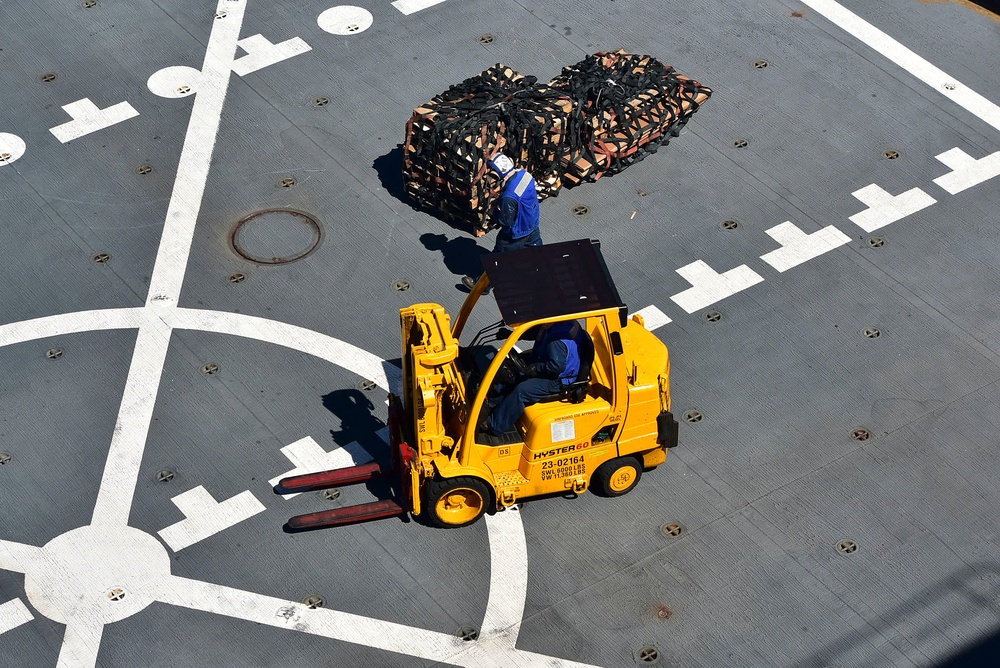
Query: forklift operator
[(555, 363)]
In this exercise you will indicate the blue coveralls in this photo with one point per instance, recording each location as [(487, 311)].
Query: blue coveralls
[(518, 214), (558, 364)]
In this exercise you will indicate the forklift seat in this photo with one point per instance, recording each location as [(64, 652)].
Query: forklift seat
[(576, 391)]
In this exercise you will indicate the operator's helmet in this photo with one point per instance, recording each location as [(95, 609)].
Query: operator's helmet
[(501, 164)]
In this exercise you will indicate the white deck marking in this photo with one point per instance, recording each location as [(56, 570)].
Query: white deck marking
[(345, 20), (121, 471), (798, 247), (884, 209), (923, 70), (12, 147), (174, 81), (204, 516), (196, 156), (308, 456), (17, 557), (408, 7), (966, 171), (508, 553), (490, 651), (357, 360), (295, 616), (508, 575), (262, 53), (87, 118), (653, 318), (13, 613), (81, 643), (710, 287)]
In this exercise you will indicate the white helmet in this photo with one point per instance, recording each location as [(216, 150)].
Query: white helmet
[(501, 164)]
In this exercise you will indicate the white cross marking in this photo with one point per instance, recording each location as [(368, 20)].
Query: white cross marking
[(262, 53), (204, 516), (308, 456), (966, 171), (408, 7), (798, 247), (710, 286), (653, 317), (13, 613), (88, 118), (884, 208)]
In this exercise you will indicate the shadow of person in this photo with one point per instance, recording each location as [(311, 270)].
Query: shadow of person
[(358, 424), (357, 420), (461, 255)]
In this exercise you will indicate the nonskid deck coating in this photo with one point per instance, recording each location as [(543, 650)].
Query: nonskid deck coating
[(764, 486)]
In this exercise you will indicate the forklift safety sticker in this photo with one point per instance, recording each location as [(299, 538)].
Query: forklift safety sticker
[(563, 431), (564, 467)]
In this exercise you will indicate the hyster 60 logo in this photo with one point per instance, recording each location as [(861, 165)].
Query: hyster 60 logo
[(561, 451)]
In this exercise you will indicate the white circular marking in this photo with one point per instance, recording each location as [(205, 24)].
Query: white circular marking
[(77, 577), (95, 574), (345, 20), (174, 81), (12, 147)]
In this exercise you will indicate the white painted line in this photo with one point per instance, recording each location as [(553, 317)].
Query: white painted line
[(196, 157), (966, 171), (262, 53), (70, 323), (508, 576), (174, 82), (798, 247), (884, 209), (88, 118), (308, 456), (12, 147), (205, 517), (341, 353), (357, 360), (295, 616), (13, 613), (121, 470), (710, 287), (345, 20), (923, 70), (80, 646), (408, 7), (653, 318), (17, 557)]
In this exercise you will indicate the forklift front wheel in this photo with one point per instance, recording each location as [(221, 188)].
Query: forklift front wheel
[(616, 476), (456, 502)]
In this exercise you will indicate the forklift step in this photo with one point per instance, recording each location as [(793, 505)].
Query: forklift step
[(324, 479), (363, 512)]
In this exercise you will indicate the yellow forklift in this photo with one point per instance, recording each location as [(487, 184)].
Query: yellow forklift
[(600, 432)]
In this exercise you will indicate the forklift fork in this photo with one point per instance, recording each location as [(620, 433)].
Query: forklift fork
[(401, 470)]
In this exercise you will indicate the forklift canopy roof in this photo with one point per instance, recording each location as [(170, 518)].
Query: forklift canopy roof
[(551, 281)]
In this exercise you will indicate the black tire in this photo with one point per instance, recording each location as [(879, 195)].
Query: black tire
[(456, 502), (616, 477)]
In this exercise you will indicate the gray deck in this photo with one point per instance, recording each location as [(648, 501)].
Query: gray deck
[(765, 485)]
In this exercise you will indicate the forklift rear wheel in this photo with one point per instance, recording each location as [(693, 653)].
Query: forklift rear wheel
[(456, 502), (616, 476)]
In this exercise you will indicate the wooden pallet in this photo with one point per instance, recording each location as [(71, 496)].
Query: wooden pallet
[(450, 139)]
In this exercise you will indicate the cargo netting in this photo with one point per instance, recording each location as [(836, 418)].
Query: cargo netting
[(597, 117)]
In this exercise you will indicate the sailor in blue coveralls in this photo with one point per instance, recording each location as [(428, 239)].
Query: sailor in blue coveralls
[(555, 363), (517, 212)]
